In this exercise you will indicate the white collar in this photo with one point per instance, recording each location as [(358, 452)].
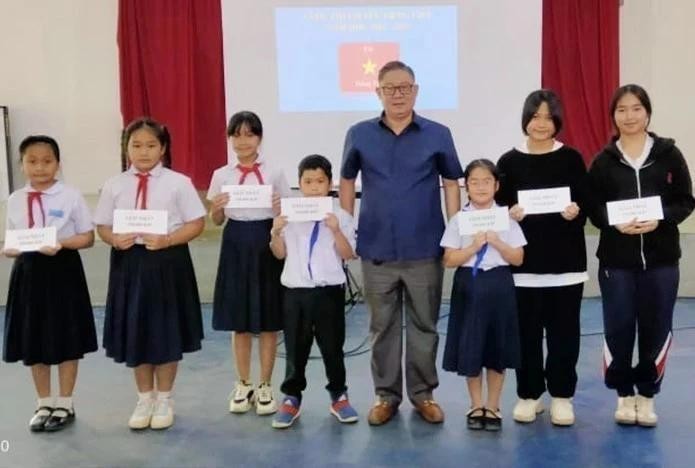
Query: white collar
[(57, 187), (260, 160), (523, 147), (156, 171), (469, 206)]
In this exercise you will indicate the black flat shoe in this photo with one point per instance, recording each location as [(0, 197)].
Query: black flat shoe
[(60, 417), (38, 421), (493, 421), (475, 419)]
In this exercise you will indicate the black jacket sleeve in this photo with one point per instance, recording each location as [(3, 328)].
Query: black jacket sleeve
[(679, 202)]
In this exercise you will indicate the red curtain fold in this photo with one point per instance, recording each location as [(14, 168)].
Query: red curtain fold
[(580, 63), (171, 69)]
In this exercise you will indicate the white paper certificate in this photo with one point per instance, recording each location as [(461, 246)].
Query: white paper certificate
[(140, 222), (249, 196), (493, 219), (30, 240), (642, 209), (306, 208), (553, 200)]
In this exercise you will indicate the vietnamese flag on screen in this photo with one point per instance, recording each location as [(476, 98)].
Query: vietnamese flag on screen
[(359, 64)]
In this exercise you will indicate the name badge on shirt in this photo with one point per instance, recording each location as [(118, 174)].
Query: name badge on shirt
[(474, 221), (249, 196), (306, 208), (642, 209), (140, 222), (541, 201), (30, 240), (56, 213)]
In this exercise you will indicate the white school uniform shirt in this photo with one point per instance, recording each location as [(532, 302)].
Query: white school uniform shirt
[(166, 190), (230, 175), (326, 263), (547, 280), (63, 206), (492, 258)]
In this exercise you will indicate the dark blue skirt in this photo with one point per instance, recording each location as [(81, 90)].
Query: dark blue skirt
[(483, 328), (49, 316), (248, 294), (153, 311)]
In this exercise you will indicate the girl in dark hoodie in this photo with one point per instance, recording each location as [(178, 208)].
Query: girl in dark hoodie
[(638, 260)]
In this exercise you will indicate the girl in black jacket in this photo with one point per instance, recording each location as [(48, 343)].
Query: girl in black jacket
[(638, 260)]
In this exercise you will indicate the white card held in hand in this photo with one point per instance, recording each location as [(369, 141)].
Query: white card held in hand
[(306, 208), (249, 196), (140, 222), (642, 209), (541, 201), (30, 240), (493, 219)]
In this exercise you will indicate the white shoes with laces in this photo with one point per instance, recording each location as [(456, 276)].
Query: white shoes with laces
[(626, 412), (646, 416), (265, 401), (562, 412), (525, 410), (153, 413), (163, 414), (242, 397), (140, 419)]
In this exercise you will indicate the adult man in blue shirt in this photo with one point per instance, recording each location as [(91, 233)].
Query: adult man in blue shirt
[(401, 157)]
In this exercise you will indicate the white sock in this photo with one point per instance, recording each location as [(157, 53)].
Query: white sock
[(163, 395), (144, 396), (64, 402), (48, 401)]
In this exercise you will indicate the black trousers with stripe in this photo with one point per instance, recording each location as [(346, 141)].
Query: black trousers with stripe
[(637, 303), (314, 313)]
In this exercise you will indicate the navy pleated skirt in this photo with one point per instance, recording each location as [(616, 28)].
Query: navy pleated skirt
[(49, 316), (153, 311), (483, 328), (248, 294)]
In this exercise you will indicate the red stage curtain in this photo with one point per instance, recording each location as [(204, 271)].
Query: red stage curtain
[(581, 64), (171, 69)]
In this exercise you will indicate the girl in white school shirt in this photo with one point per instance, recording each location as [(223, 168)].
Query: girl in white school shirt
[(248, 294), (483, 330), (152, 306), (49, 317)]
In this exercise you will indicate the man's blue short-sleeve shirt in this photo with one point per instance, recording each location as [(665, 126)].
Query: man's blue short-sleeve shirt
[(400, 212)]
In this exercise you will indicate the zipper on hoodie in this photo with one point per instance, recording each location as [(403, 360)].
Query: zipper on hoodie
[(639, 195)]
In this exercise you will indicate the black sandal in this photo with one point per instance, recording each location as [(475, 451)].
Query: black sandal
[(493, 420), (475, 419)]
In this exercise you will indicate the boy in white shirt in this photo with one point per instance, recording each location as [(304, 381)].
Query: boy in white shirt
[(314, 297)]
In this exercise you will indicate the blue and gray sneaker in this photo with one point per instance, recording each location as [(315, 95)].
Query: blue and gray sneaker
[(288, 412), (341, 409)]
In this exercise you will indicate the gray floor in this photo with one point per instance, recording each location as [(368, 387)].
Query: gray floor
[(205, 434)]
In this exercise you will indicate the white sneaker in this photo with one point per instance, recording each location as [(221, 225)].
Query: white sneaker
[(265, 402), (242, 398), (526, 410), (163, 414), (645, 411), (626, 412), (140, 419), (562, 412)]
